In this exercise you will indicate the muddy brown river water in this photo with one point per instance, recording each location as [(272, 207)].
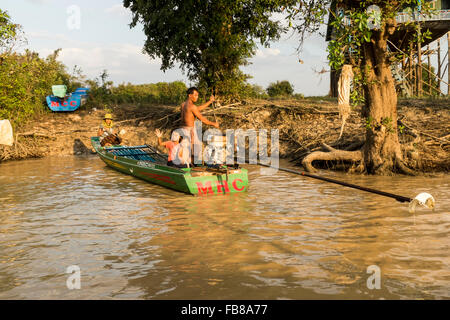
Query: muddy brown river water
[(288, 237)]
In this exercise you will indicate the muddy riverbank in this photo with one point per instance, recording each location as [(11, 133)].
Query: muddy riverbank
[(304, 125)]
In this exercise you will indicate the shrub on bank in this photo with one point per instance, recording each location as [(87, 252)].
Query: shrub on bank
[(253, 91), (280, 89), (25, 80), (161, 92)]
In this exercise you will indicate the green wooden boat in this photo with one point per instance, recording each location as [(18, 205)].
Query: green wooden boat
[(146, 163)]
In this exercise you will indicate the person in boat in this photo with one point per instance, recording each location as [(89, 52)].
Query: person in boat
[(169, 145), (182, 154), (106, 132), (189, 111)]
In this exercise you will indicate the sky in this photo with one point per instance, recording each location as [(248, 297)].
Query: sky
[(102, 39)]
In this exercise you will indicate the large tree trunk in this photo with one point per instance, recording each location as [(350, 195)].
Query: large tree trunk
[(381, 152)]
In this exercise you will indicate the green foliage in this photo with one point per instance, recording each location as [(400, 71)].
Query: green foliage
[(253, 91), (357, 88), (161, 92), (306, 16), (210, 39), (100, 90), (369, 122), (230, 88), (387, 122), (357, 27), (426, 77), (9, 31), (25, 78), (25, 81), (280, 89), (103, 92)]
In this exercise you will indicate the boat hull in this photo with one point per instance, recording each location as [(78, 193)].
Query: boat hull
[(195, 181), (70, 103)]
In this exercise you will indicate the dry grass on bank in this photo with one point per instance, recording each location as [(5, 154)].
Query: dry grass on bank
[(304, 126)]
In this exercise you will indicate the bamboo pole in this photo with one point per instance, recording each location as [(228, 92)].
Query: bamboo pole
[(439, 63), (419, 63), (405, 79), (414, 69), (342, 183), (411, 72), (333, 82), (431, 88), (448, 68), (429, 71)]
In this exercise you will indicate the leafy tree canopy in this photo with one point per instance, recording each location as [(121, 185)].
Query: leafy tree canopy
[(363, 36), (359, 27), (210, 39), (9, 31)]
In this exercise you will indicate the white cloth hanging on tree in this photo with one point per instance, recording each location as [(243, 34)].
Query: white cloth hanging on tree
[(6, 133)]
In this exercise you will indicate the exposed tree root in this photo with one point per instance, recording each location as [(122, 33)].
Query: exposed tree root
[(331, 155), (23, 148), (403, 168), (360, 168), (303, 126), (355, 146)]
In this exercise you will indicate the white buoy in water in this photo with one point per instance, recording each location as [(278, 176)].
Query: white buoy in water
[(423, 199)]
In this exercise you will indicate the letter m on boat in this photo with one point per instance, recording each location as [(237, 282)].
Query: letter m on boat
[(204, 189)]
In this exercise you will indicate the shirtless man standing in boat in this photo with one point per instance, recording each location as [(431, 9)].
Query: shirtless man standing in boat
[(188, 113)]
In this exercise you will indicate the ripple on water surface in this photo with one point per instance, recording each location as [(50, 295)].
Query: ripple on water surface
[(288, 237)]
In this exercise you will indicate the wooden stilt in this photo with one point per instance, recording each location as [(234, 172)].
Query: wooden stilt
[(333, 83), (439, 64), (411, 72), (448, 66), (429, 72), (419, 62)]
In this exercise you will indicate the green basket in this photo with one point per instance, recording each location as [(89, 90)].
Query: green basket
[(59, 90)]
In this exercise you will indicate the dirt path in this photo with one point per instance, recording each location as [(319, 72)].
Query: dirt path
[(304, 125)]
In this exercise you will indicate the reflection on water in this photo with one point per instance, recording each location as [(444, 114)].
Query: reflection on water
[(289, 237)]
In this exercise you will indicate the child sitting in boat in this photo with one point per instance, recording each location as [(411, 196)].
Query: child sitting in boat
[(182, 154), (169, 145), (106, 132)]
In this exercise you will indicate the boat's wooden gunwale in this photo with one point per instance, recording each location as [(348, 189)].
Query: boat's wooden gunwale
[(174, 178)]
